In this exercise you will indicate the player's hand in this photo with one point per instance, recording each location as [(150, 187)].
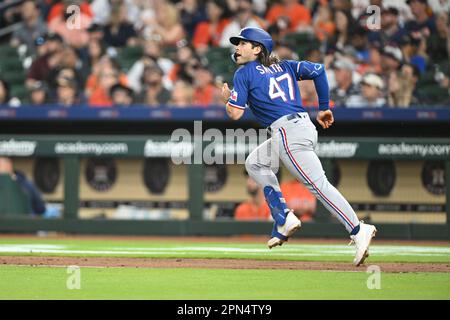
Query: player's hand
[(225, 92), (325, 118)]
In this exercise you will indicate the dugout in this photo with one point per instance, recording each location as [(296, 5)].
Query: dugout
[(397, 180)]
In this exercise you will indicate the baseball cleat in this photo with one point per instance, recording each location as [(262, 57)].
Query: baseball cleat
[(281, 234), (362, 241)]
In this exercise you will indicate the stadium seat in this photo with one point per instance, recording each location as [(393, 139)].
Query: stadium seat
[(21, 92), (216, 54), (301, 43), (10, 64), (7, 51), (14, 77), (128, 56), (220, 63)]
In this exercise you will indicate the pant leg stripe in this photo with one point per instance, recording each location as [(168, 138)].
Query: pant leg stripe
[(299, 169)]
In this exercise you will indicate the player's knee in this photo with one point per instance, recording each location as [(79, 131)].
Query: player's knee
[(322, 183)]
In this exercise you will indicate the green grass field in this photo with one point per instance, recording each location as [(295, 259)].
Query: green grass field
[(27, 282)]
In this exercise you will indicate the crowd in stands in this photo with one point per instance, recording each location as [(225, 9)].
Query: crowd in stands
[(160, 52)]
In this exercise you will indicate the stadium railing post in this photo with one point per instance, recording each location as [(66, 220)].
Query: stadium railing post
[(71, 187), (195, 175)]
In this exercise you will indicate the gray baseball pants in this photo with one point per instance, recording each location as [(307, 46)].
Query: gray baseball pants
[(293, 139)]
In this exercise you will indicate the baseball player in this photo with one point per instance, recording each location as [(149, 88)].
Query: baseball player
[(269, 88)]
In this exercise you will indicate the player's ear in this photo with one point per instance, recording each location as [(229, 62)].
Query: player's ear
[(257, 50)]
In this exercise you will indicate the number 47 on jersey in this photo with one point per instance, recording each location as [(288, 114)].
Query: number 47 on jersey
[(277, 85)]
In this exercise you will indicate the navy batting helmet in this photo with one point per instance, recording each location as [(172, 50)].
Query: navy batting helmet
[(255, 35)]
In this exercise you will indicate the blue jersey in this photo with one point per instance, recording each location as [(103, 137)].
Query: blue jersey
[(272, 92)]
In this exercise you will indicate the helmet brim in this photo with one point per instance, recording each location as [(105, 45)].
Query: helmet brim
[(235, 40)]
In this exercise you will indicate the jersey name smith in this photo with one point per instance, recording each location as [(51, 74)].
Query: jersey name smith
[(272, 69)]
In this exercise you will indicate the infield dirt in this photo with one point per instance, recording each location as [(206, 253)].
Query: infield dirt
[(217, 263), (107, 262)]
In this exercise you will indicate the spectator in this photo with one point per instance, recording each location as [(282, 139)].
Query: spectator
[(69, 62), (5, 95), (153, 93), (345, 87), (152, 55), (424, 21), (73, 31), (414, 51), (374, 63), (439, 6), (371, 93), (95, 51), (185, 60), (119, 32), (285, 51), (344, 5), (103, 76), (56, 77), (390, 32), (438, 44), (360, 43), (294, 15), (51, 58), (344, 24), (256, 207), (101, 9), (39, 93), (392, 58), (66, 92), (36, 203), (41, 47), (182, 95), (31, 28), (314, 55), (402, 85), (191, 14), (107, 77), (243, 18), (45, 6), (349, 52), (205, 92), (208, 33), (147, 15), (95, 33), (165, 26), (260, 7), (324, 26), (121, 96), (299, 199), (309, 95), (442, 78), (9, 15)]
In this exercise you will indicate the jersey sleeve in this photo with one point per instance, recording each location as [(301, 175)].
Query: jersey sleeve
[(306, 70), (239, 94)]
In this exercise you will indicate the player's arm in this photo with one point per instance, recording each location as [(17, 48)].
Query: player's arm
[(316, 72), (233, 111)]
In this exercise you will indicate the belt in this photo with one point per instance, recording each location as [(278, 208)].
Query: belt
[(295, 116), (290, 117)]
